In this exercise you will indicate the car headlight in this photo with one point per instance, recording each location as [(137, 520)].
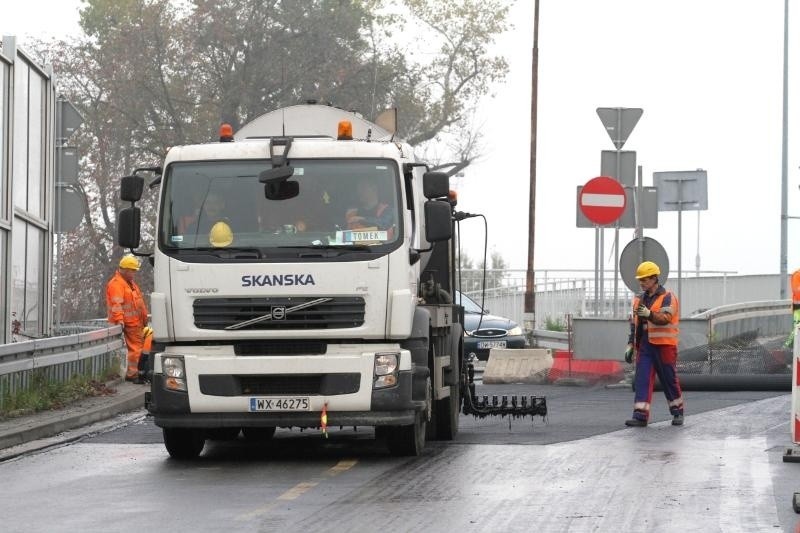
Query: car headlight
[(468, 333), (515, 331)]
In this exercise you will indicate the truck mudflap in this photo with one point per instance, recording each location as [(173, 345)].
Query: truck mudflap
[(505, 405), (394, 406)]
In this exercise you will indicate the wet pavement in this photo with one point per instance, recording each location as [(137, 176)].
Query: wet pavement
[(580, 470)]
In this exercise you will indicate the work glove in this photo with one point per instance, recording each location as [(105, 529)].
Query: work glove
[(643, 311), (629, 354)]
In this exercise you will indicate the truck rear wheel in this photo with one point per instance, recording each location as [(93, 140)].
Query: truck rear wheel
[(445, 415), (182, 443)]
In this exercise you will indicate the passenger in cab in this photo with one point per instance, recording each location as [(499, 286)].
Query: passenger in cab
[(371, 212)]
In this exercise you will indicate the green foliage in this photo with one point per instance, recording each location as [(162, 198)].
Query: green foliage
[(152, 74), (554, 324), (44, 394)]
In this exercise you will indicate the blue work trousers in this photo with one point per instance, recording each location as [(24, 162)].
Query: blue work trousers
[(652, 360)]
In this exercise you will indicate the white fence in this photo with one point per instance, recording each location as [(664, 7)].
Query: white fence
[(559, 293)]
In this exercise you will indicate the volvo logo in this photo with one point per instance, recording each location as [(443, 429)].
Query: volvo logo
[(278, 312), (202, 290)]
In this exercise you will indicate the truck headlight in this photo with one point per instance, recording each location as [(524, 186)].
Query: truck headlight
[(175, 373), (385, 370)]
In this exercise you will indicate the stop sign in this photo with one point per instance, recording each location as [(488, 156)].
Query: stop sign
[(602, 200)]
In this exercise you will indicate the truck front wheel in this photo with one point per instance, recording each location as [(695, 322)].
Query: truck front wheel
[(410, 440), (407, 440), (182, 443)]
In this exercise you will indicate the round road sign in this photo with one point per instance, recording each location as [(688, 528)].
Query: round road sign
[(638, 250), (602, 200)]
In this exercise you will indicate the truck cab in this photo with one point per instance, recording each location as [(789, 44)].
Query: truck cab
[(302, 278)]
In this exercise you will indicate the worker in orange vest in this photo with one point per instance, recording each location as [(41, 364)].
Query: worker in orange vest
[(126, 307), (795, 284), (654, 341)]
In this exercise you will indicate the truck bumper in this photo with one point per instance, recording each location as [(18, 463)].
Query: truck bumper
[(395, 405)]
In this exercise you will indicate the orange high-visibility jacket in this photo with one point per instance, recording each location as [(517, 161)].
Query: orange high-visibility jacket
[(125, 302), (795, 282), (657, 334)]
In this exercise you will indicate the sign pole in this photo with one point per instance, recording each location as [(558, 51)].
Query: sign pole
[(596, 270), (602, 306), (615, 314)]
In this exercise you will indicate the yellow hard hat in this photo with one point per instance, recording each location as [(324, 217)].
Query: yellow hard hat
[(647, 269), (129, 262), (220, 235), (147, 330)]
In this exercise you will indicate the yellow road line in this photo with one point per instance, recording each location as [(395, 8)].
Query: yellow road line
[(299, 489)]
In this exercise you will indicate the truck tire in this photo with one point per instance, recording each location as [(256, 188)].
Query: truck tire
[(182, 443), (258, 434), (407, 441), (410, 440), (445, 415)]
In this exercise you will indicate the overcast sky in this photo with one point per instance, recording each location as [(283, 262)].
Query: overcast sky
[(708, 75)]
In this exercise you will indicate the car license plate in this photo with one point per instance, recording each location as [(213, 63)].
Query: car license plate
[(280, 403), (487, 345)]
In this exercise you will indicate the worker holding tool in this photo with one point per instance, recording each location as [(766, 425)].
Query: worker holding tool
[(653, 341), (795, 285)]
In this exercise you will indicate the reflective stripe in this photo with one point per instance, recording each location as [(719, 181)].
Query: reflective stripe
[(642, 406), (678, 402), (655, 333)]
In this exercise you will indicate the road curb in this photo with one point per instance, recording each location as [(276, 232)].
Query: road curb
[(47, 424)]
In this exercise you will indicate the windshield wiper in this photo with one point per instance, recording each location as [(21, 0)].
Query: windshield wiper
[(235, 252), (330, 246), (327, 250)]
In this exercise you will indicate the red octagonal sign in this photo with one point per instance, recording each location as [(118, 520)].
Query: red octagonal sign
[(602, 200)]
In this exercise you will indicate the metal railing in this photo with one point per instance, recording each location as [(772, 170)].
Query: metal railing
[(85, 351)]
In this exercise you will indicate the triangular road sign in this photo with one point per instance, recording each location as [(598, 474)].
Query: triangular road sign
[(619, 122)]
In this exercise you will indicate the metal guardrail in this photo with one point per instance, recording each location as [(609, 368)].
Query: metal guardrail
[(58, 359), (556, 340)]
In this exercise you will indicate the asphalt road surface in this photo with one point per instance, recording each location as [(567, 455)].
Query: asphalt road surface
[(581, 470)]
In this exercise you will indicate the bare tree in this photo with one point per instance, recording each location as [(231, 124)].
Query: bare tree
[(151, 74)]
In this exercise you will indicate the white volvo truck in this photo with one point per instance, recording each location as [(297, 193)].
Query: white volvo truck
[(275, 304)]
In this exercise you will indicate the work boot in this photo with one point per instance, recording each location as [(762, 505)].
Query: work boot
[(636, 423), (677, 420)]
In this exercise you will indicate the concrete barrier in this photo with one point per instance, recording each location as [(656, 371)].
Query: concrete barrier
[(526, 365)]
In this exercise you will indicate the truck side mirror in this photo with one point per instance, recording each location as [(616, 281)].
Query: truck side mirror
[(129, 227), (131, 188), (435, 185), (438, 221)]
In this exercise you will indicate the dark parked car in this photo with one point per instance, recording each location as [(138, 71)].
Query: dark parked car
[(483, 331)]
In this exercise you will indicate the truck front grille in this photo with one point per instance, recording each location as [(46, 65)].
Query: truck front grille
[(220, 313), (280, 384)]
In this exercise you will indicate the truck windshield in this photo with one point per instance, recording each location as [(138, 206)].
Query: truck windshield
[(352, 204)]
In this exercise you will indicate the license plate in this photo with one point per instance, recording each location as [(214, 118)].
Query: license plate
[(280, 403), (487, 345)]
